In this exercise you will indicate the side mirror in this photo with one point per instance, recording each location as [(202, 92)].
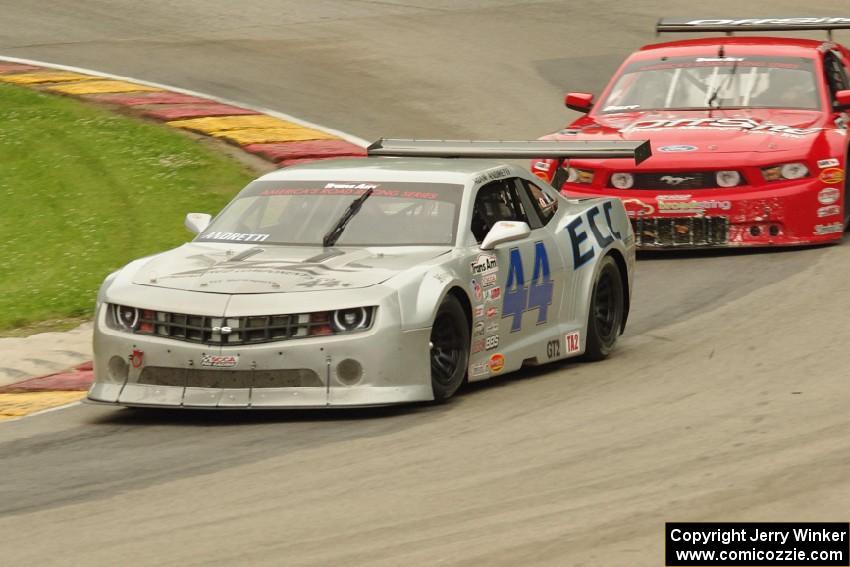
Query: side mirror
[(842, 100), (581, 102), (505, 231), (197, 222)]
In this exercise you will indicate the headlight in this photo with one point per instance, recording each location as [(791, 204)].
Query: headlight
[(793, 170), (126, 318), (350, 319), (623, 180), (727, 178), (341, 321)]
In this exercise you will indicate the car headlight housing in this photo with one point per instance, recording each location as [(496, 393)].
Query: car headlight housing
[(727, 178), (622, 180), (580, 176), (785, 171), (346, 320)]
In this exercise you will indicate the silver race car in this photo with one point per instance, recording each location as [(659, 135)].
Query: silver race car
[(371, 281)]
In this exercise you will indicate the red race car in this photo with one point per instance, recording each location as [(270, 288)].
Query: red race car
[(749, 137)]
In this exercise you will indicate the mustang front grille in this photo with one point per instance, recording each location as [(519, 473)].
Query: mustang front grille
[(232, 331), (681, 231), (676, 180)]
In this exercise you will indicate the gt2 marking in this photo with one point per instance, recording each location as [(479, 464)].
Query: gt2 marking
[(573, 342), (553, 349), (520, 298), (578, 235)]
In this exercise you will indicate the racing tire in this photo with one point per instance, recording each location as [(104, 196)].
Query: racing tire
[(449, 349), (607, 305)]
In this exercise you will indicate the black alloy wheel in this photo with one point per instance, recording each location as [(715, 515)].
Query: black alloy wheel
[(607, 304), (449, 348)]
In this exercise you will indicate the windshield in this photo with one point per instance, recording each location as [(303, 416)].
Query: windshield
[(302, 212), (687, 83)]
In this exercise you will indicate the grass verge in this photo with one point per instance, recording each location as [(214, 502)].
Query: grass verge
[(83, 191)]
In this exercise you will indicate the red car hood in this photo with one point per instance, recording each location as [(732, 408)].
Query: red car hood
[(716, 131)]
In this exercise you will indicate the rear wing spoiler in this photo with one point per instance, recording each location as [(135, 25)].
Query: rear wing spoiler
[(532, 149), (730, 26)]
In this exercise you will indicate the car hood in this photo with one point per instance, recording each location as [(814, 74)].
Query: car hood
[(717, 131), (233, 269)]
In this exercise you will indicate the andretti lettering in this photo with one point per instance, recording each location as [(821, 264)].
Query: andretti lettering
[(238, 236)]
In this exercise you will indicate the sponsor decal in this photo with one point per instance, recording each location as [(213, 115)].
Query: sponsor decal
[(640, 208), (553, 349), (491, 342), (492, 312), (493, 327), (573, 342), (520, 297), (497, 363), (541, 165), (620, 108), (237, 236), (219, 360), (492, 175), (578, 234), (478, 329), (494, 293), (673, 180), (828, 195), (483, 264), (685, 204), (719, 59), (479, 369), (476, 289), (137, 357), (477, 346), (478, 311), (488, 281), (678, 148), (831, 228), (768, 22), (748, 124), (362, 186), (832, 175), (824, 163), (829, 211)]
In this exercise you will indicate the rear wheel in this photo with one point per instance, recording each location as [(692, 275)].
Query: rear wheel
[(449, 349), (606, 311)]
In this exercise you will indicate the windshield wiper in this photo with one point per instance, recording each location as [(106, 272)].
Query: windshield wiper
[(726, 84), (333, 234)]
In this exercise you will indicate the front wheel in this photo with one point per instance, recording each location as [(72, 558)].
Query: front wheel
[(449, 349), (606, 311)]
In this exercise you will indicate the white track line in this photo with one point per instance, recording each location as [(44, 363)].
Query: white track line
[(283, 116)]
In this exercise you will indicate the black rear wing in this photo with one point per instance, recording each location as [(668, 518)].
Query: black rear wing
[(730, 26), (531, 149)]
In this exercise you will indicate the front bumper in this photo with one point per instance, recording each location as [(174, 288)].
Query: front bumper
[(782, 214), (297, 373)]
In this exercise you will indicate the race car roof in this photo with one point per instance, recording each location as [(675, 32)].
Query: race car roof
[(765, 46)]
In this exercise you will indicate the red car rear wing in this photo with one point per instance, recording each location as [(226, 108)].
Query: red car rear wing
[(730, 26)]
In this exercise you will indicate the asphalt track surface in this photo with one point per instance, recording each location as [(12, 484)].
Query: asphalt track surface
[(726, 401)]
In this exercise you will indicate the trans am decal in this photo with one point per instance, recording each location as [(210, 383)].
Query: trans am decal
[(748, 124)]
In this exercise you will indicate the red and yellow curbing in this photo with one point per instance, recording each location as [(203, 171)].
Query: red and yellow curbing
[(282, 142)]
